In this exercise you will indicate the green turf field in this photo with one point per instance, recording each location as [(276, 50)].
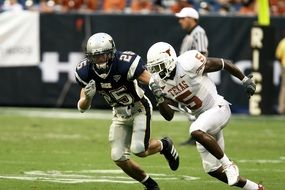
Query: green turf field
[(49, 149)]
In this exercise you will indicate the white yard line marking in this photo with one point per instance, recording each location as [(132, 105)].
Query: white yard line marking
[(261, 161), (276, 161), (95, 176)]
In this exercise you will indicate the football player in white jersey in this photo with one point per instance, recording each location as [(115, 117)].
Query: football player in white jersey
[(183, 82), (117, 76)]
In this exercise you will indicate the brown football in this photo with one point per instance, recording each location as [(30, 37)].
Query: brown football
[(171, 102)]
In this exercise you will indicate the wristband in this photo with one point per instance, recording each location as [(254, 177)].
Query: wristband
[(244, 79), (223, 64), (80, 109)]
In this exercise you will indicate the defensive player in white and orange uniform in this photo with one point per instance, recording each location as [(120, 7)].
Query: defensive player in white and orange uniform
[(184, 83)]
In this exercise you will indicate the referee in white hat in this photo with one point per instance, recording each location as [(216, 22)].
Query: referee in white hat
[(195, 39)]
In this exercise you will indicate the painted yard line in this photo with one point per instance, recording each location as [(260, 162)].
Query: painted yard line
[(75, 177), (261, 161), (15, 162)]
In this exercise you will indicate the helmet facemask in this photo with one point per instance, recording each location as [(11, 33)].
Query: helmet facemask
[(100, 51), (160, 68), (101, 61)]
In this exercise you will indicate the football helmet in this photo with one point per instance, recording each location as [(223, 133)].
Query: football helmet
[(100, 51), (161, 59)]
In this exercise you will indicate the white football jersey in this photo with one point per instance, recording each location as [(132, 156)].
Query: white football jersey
[(190, 86)]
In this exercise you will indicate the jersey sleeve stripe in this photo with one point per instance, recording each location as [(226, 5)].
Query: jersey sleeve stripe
[(133, 67), (79, 79)]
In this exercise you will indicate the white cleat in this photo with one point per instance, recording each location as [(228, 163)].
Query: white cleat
[(232, 173)]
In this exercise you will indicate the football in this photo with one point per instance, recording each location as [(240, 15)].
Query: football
[(171, 102)]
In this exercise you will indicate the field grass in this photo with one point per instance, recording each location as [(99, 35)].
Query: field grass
[(50, 149)]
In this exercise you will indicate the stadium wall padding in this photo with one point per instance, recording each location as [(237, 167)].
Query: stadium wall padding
[(63, 38)]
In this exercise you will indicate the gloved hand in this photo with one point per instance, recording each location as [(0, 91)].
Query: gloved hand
[(156, 89), (90, 89), (249, 85)]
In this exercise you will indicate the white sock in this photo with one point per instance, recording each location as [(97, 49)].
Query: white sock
[(225, 161), (146, 177), (161, 145), (250, 185)]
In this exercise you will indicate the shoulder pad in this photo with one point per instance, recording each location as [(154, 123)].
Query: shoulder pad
[(81, 72), (192, 61)]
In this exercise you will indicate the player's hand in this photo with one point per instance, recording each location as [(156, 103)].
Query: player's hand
[(156, 89), (90, 89), (249, 85), (157, 92)]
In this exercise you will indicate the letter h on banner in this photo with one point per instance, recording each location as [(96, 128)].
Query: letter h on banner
[(51, 67)]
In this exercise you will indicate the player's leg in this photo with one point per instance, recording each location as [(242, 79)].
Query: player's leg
[(208, 124), (142, 146), (221, 175), (132, 169), (242, 182), (120, 139), (214, 168)]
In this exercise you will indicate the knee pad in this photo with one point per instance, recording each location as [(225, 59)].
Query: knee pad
[(119, 155), (137, 147)]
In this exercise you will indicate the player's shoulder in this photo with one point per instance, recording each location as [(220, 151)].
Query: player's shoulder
[(191, 59), (126, 56), (82, 70), (128, 62)]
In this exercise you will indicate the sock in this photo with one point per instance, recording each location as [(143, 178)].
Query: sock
[(250, 185), (161, 145), (149, 182), (225, 161)]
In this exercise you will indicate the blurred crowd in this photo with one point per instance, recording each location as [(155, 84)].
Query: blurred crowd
[(223, 7)]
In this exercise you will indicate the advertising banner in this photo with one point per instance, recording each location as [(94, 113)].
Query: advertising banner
[(19, 38)]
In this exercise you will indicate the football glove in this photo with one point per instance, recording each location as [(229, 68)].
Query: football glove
[(90, 89), (249, 85), (156, 89)]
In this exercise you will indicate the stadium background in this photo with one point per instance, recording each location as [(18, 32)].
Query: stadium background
[(50, 83)]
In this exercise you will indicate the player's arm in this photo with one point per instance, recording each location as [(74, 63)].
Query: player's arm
[(165, 110), (144, 77), (162, 104), (86, 96), (216, 64)]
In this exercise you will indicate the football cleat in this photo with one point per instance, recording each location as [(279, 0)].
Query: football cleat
[(261, 187), (232, 173), (170, 153)]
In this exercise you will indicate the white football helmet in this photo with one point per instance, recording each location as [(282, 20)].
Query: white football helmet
[(100, 50), (161, 59)]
